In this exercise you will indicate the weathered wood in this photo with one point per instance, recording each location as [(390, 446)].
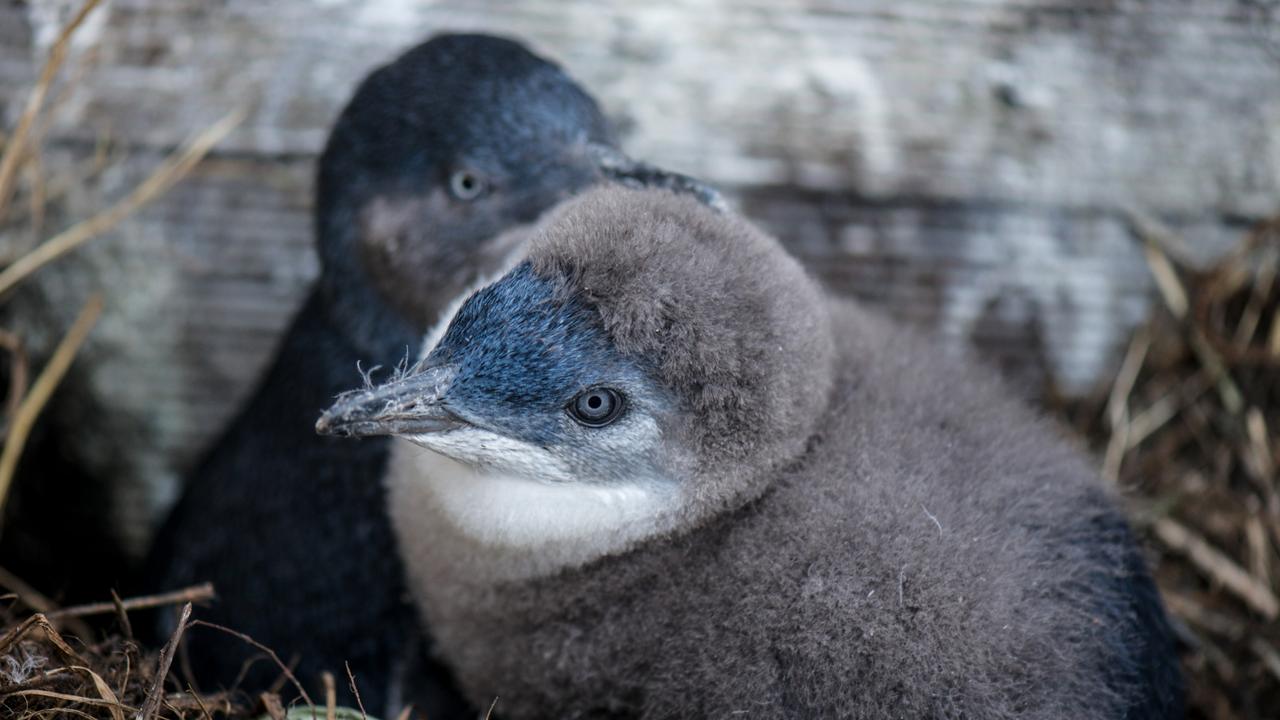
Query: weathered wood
[(966, 163)]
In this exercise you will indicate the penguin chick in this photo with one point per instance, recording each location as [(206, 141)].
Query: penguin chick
[(432, 168), (659, 474)]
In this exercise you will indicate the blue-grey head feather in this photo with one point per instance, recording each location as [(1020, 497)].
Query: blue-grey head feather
[(523, 348)]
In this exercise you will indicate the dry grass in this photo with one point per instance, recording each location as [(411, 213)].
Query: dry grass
[(50, 664), (30, 404), (21, 157), (45, 672), (1190, 432)]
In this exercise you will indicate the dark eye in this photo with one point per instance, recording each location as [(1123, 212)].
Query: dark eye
[(596, 407), (466, 185)]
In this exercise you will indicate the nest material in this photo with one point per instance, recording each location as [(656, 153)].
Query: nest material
[(46, 672), (1190, 433)]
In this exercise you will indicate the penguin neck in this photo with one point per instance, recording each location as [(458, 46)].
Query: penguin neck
[(452, 519)]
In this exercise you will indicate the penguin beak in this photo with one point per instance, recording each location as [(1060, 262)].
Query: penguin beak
[(411, 405), (617, 167)]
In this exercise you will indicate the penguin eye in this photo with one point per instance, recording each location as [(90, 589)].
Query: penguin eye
[(596, 407), (466, 185)]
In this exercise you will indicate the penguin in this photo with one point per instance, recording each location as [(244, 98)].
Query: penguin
[(655, 471), (429, 178)]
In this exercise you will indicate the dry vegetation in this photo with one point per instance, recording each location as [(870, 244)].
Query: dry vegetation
[(51, 665), (47, 672), (1187, 431)]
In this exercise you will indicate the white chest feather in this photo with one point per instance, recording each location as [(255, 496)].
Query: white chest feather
[(523, 520)]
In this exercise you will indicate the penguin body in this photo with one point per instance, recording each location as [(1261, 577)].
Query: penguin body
[(654, 472), (430, 174)]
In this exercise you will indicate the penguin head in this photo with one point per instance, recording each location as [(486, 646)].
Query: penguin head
[(645, 344), (434, 157), (433, 163)]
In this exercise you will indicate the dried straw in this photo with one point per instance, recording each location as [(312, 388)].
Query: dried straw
[(164, 177), (16, 146), (25, 416), (1188, 433)]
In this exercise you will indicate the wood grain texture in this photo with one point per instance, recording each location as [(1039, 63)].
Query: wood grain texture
[(964, 163)]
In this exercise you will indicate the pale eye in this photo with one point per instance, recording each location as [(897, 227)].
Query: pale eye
[(596, 407), (466, 185)]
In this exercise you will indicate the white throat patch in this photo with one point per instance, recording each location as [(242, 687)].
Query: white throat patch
[(528, 515)]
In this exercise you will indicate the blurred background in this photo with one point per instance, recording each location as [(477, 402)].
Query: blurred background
[(1084, 192)]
